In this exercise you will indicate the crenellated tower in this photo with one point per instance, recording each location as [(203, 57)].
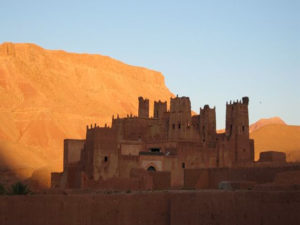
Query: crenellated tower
[(143, 111), (237, 131), (159, 109), (180, 118), (208, 124), (237, 119), (100, 153)]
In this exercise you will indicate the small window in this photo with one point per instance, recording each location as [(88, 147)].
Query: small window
[(105, 158), (179, 126), (154, 149), (243, 128), (183, 165), (173, 126)]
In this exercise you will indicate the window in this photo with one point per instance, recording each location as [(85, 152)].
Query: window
[(243, 128), (105, 158), (154, 149), (173, 126), (179, 126), (183, 165)]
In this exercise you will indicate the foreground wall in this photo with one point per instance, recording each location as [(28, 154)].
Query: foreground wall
[(176, 208), (211, 177)]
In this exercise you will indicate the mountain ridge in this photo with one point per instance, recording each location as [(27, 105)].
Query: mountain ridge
[(49, 95)]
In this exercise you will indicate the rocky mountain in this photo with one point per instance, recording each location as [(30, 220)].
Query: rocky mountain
[(49, 95)]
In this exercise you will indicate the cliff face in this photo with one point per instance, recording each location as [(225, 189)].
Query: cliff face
[(48, 95)]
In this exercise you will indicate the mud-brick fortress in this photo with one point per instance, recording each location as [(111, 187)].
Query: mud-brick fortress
[(167, 143)]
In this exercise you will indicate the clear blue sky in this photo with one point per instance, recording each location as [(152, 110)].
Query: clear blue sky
[(211, 51)]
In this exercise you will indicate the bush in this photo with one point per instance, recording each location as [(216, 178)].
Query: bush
[(2, 190), (19, 189)]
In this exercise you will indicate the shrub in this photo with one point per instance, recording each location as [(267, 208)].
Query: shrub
[(19, 189)]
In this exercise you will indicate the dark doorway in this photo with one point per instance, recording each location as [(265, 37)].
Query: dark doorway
[(151, 168)]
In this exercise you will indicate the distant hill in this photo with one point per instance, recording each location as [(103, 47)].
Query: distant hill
[(274, 134), (278, 137), (263, 122), (49, 95)]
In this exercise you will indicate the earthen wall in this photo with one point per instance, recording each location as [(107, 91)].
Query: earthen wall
[(159, 208), (72, 151), (210, 178)]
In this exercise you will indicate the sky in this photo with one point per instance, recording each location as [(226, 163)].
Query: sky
[(212, 51)]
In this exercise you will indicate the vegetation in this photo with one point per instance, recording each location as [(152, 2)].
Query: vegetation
[(19, 189)]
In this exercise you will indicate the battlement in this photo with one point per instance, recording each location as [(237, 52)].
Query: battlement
[(208, 124), (104, 131), (143, 111), (237, 119), (96, 127), (206, 108), (243, 101), (180, 104), (159, 109)]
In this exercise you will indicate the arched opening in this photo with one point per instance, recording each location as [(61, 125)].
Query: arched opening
[(151, 168)]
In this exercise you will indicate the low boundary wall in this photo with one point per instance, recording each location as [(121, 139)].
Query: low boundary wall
[(210, 178), (149, 208)]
